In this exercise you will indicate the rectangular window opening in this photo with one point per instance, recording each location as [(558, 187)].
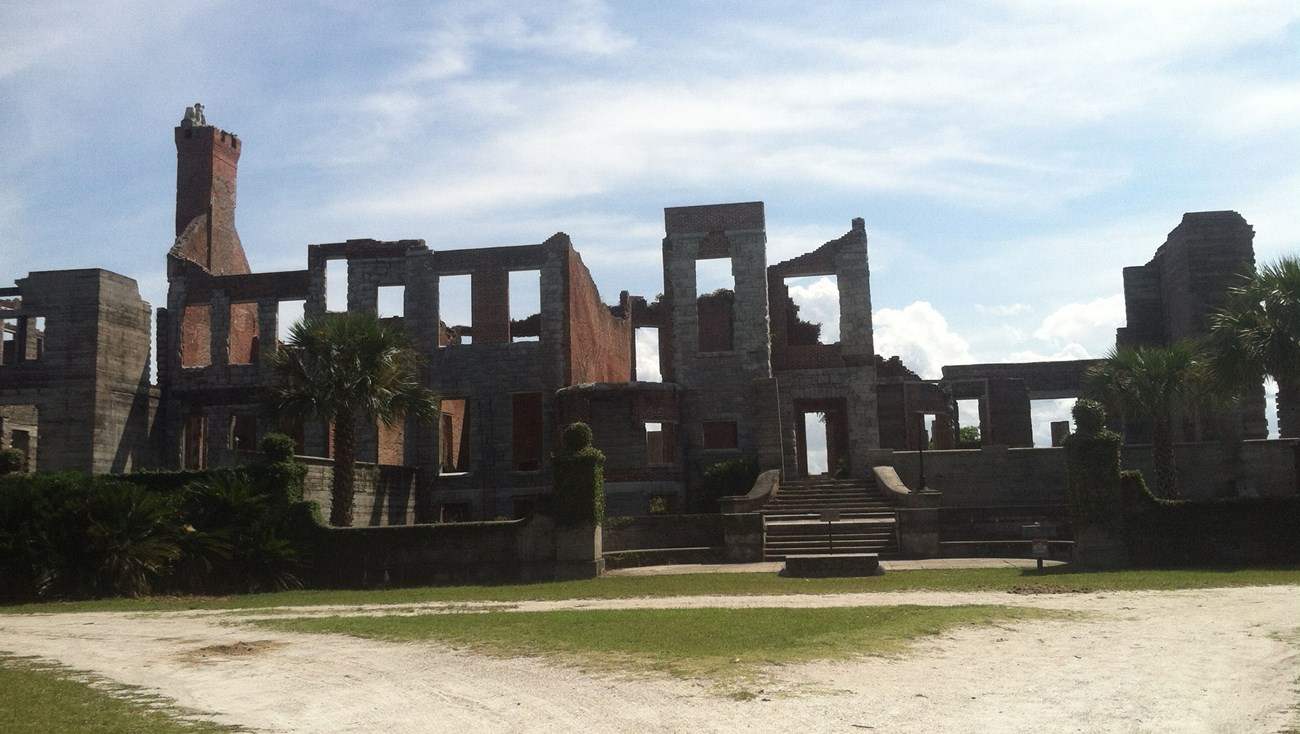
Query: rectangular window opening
[(1043, 413), (815, 433), (9, 332), (720, 435), (660, 443), (526, 431), (194, 442), (455, 317), (336, 285), (36, 337), (392, 443), (196, 336), (288, 314), (391, 301), (242, 339), (968, 418), (715, 298), (525, 305), (243, 432), (453, 436), (814, 315), (647, 355)]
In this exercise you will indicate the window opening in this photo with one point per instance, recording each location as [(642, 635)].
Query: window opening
[(814, 316), (720, 435), (453, 436), (243, 432), (288, 313), (391, 440), (814, 426), (336, 285), (1042, 413), (715, 294), (525, 305), (647, 354), (455, 315), (660, 443), (526, 431), (196, 336), (968, 417), (36, 337), (9, 332), (195, 442), (391, 301), (242, 337)]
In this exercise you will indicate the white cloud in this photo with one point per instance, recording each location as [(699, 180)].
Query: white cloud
[(818, 299), (1010, 309), (919, 335), (647, 356), (1083, 328)]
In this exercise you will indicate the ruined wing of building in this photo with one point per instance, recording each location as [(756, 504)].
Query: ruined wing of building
[(740, 370)]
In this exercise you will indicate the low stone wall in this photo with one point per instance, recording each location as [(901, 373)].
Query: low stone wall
[(508, 551), (383, 494), (1264, 468), (999, 476), (662, 531)]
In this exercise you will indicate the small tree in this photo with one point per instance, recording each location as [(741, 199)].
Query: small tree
[(12, 461), (579, 467), (1154, 384), (341, 367), (1257, 334)]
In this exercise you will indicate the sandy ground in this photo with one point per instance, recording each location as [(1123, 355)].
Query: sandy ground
[(1224, 660)]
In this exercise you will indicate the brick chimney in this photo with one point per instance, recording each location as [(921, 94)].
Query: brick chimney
[(207, 161)]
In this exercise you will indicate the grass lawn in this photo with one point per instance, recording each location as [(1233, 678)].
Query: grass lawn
[(714, 643), (622, 587), (41, 699)]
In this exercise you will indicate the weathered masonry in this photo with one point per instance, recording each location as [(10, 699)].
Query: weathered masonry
[(518, 341)]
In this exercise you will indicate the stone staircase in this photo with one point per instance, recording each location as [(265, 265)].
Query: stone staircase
[(794, 524)]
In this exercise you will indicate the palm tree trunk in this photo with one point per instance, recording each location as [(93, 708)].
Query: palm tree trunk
[(345, 452), (1162, 454)]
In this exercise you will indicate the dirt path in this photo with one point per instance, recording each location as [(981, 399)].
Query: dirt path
[(1224, 660)]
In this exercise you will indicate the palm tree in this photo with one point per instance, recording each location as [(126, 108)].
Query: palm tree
[(339, 368), (1155, 384), (1257, 334)]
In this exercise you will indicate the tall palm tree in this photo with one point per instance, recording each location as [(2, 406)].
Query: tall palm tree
[(1257, 334), (1154, 384), (341, 367)]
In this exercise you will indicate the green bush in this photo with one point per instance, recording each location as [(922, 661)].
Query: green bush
[(1178, 532), (12, 461), (579, 479), (726, 479)]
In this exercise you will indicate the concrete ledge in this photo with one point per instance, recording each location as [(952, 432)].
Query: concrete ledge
[(664, 557), (1058, 550), (829, 565)]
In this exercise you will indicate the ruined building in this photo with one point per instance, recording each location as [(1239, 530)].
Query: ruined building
[(741, 371)]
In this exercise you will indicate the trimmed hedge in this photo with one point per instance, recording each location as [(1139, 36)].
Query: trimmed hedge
[(1241, 529), (579, 476)]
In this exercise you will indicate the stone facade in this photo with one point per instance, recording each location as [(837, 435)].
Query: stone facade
[(741, 370)]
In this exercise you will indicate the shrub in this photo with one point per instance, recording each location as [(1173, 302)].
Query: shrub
[(726, 479), (579, 493), (12, 461)]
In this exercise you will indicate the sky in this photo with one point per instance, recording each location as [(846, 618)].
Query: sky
[(1009, 157)]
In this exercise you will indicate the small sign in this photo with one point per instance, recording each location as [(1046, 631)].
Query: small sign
[(1040, 547)]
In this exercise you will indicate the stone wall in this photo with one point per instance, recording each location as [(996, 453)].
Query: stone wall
[(383, 495)]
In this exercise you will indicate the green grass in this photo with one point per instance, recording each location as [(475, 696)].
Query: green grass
[(43, 699), (713, 643), (622, 587)]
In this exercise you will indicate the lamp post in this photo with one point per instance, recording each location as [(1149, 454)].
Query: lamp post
[(920, 415)]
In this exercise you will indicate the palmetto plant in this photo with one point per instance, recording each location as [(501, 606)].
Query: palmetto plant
[(1154, 384), (1257, 334), (341, 367)]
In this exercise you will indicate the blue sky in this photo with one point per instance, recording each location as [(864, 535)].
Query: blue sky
[(1009, 157)]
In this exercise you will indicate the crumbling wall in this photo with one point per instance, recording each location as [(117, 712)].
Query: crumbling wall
[(600, 343), (89, 387)]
